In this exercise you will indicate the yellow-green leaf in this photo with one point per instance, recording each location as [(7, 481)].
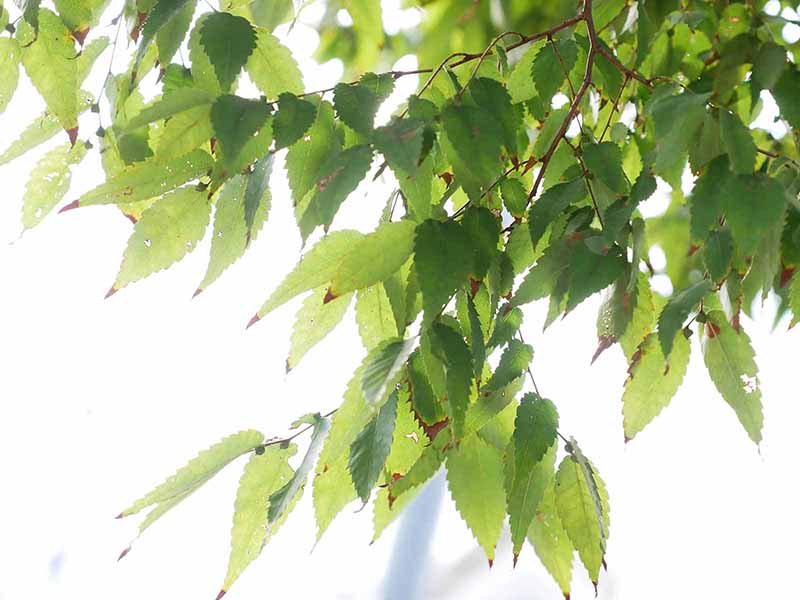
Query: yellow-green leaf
[(272, 67), (49, 182), (315, 320), (9, 70)]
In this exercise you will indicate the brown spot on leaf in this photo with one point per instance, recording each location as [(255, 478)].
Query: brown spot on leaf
[(325, 181), (131, 218), (692, 249), (786, 275), (712, 330), (329, 297), (447, 177), (137, 29), (474, 286)]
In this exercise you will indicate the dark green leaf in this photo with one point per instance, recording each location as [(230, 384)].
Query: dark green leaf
[(604, 161), (401, 143), (513, 363), (459, 374), (551, 204), (369, 451), (292, 120), (381, 366), (738, 143), (551, 66), (677, 310)]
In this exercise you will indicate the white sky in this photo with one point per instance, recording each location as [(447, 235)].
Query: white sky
[(102, 399)]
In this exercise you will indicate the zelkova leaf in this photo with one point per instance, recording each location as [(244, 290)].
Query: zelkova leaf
[(707, 197), (185, 132), (159, 15), (400, 142), (292, 120), (281, 500), (475, 479), (652, 382), (374, 257), (176, 102), (356, 105), (9, 70), (167, 231), (257, 192), (551, 66), (48, 56), (374, 316), (49, 182), (753, 205), (306, 157), (228, 41), (170, 37), (730, 361), (550, 540), (148, 179), (787, 95), (230, 236), (459, 378), (337, 179), (315, 268), (738, 143), (604, 161), (532, 465), (513, 363), (43, 128), (235, 121), (370, 449), (199, 470), (551, 204), (582, 504), (440, 249), (264, 474), (676, 119), (315, 320), (677, 310), (381, 366), (272, 67)]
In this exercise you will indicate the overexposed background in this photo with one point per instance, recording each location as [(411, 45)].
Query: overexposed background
[(102, 399)]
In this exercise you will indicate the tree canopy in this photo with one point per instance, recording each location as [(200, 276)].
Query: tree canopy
[(521, 170)]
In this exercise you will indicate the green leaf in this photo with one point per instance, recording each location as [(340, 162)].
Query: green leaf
[(513, 363), (306, 157), (551, 204), (374, 257), (550, 128), (170, 37), (230, 236), (199, 470), (281, 500), (520, 82), (374, 316), (158, 17), (475, 479), (459, 374), (676, 119), (257, 192), (604, 161), (381, 366), (9, 70), (264, 474), (550, 540), (30, 10), (787, 95), (753, 204), (707, 197), (368, 26), (337, 179), (148, 179), (292, 120), (476, 337), (176, 102), (185, 132), (738, 143), (423, 398), (370, 449), (506, 326), (581, 501), (273, 68), (474, 128), (315, 320), (492, 96), (167, 231), (533, 442), (677, 310), (440, 249), (235, 121), (730, 361), (718, 253), (228, 41), (48, 56), (551, 66), (400, 142), (49, 182), (315, 269), (652, 382), (40, 130), (356, 106), (515, 198)]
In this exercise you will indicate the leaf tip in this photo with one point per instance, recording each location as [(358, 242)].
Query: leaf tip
[(131, 218), (514, 562), (253, 321), (197, 292), (221, 594), (71, 206), (605, 342), (120, 515), (124, 553), (112, 290), (80, 35), (73, 136), (329, 296), (491, 562)]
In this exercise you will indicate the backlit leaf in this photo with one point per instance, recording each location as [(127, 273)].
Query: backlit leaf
[(370, 449), (228, 41), (49, 182), (273, 68), (315, 320), (677, 310)]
